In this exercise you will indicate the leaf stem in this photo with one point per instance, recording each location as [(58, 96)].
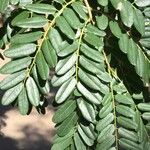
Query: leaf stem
[(112, 73), (89, 11), (50, 25), (78, 50)]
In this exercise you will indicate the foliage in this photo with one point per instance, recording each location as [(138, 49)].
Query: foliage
[(100, 52)]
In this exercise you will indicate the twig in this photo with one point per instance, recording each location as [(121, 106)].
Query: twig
[(89, 11)]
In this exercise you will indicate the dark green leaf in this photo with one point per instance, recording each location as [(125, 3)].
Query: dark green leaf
[(87, 110), (59, 80), (105, 122), (65, 90), (42, 66), (11, 94), (34, 22), (20, 50), (32, 91), (26, 37), (102, 22), (12, 80), (15, 65), (91, 97), (71, 18), (67, 124), (64, 111), (23, 102), (78, 142), (41, 8), (126, 12), (128, 144), (49, 53), (65, 27), (85, 138)]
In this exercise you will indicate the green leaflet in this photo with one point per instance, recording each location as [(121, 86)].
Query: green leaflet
[(65, 90), (124, 99), (147, 12), (12, 80), (68, 50), (59, 80), (14, 2), (89, 130), (49, 53), (94, 40), (116, 4), (3, 5), (26, 37), (120, 89), (87, 94), (79, 8), (59, 1), (130, 135), (87, 110), (141, 132), (107, 143), (104, 134), (11, 94), (132, 52), (102, 22), (104, 122), (32, 91), (64, 111), (115, 29), (78, 142), (126, 12), (15, 65), (92, 82), (127, 123), (84, 137), (124, 43), (58, 139), (139, 21), (107, 99), (128, 144), (20, 50), (145, 42), (63, 144), (41, 8), (142, 3), (55, 39), (87, 64), (65, 27), (106, 109), (88, 80), (144, 106), (67, 124), (42, 66), (94, 30), (65, 65), (23, 103), (44, 87), (91, 53), (104, 76), (34, 22), (21, 16), (141, 66), (146, 116), (71, 18), (125, 111), (103, 2), (25, 2)]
